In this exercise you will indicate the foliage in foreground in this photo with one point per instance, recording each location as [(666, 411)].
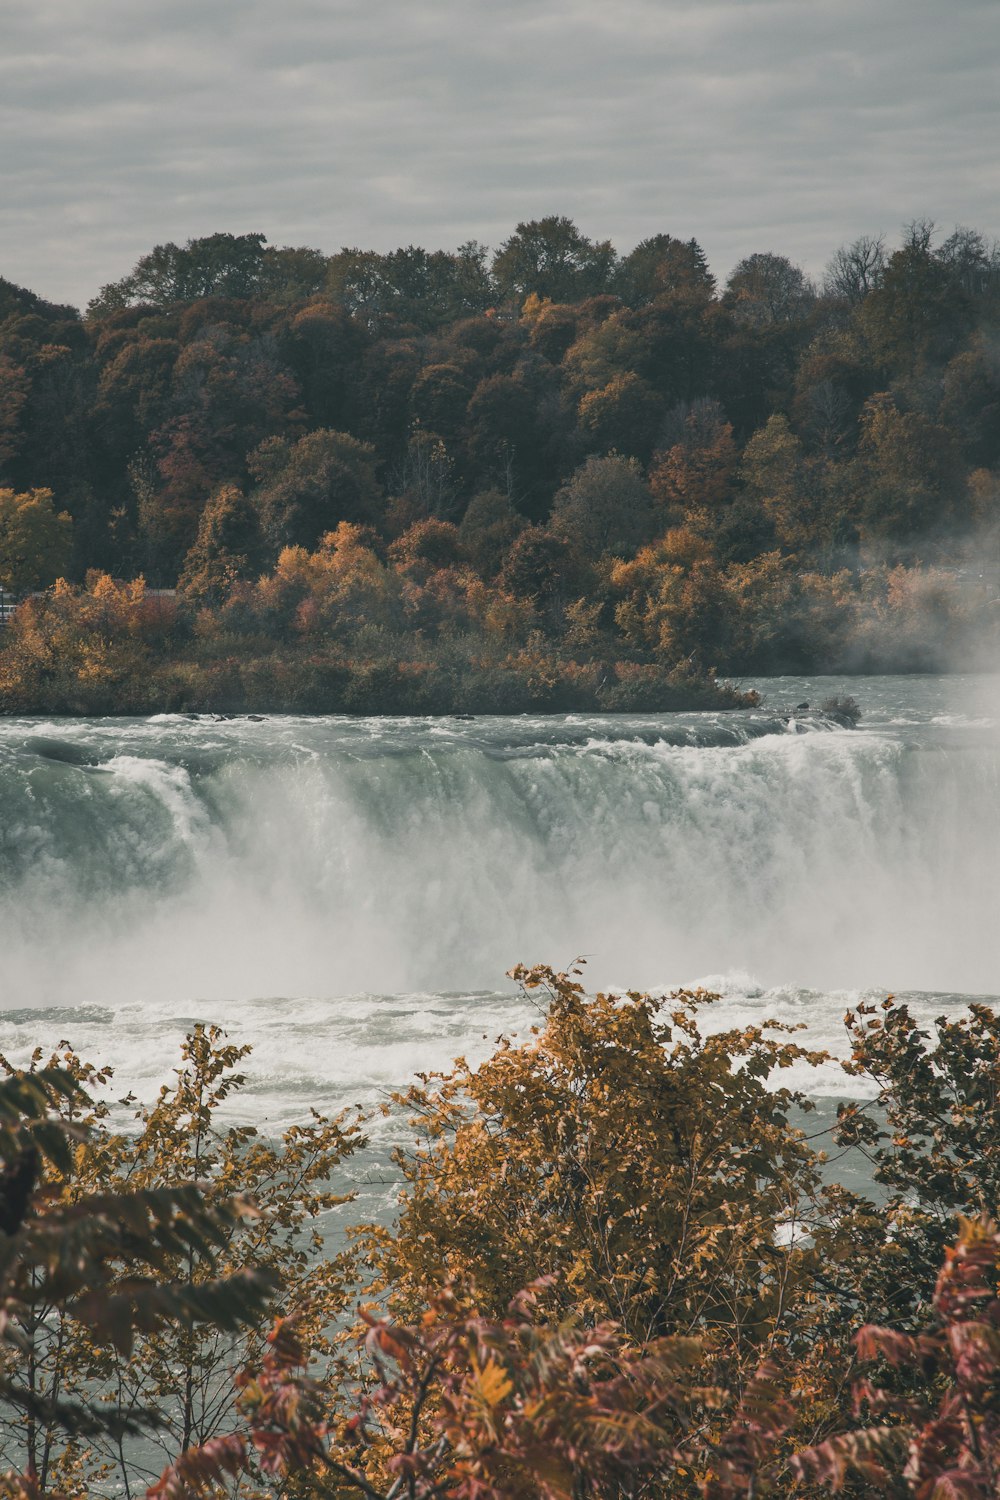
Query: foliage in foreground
[(140, 1264), (618, 1267), (943, 1441), (100, 1263), (478, 1410)]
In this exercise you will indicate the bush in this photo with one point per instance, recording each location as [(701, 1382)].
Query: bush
[(845, 710)]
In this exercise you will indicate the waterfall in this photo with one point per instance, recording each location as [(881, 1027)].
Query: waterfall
[(176, 859)]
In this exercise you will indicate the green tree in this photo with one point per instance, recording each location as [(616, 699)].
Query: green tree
[(516, 424), (487, 529), (911, 475), (323, 347), (36, 541), (765, 289), (291, 273), (970, 401), (919, 313), (604, 507), (412, 286), (439, 399), (624, 415), (228, 547), (306, 488), (932, 1133), (217, 265), (15, 386), (552, 258), (662, 266)]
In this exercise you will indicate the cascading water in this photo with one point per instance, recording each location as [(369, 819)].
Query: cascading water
[(347, 894)]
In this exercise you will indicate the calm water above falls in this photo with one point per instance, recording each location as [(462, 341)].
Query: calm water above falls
[(347, 894)]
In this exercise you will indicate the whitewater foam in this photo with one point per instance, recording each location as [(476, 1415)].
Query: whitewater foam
[(154, 871)]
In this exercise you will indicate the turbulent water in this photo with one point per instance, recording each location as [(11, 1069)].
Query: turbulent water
[(346, 894)]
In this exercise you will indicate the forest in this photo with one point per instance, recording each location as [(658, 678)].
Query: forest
[(550, 477), (620, 1265)]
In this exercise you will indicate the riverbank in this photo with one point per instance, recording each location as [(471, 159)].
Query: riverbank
[(116, 649), (324, 682)]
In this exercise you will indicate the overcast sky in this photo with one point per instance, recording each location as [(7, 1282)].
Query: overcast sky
[(788, 125)]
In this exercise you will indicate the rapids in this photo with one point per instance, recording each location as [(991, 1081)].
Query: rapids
[(347, 894)]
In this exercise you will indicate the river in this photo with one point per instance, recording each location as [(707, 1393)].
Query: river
[(347, 894)]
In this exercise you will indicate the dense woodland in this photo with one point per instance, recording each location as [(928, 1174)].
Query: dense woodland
[(618, 1268), (555, 476)]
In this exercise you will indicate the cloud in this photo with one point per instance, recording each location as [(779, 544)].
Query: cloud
[(750, 124)]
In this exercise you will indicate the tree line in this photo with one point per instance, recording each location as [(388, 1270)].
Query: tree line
[(619, 1264), (454, 459)]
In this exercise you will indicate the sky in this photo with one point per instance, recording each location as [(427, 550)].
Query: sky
[(785, 125)]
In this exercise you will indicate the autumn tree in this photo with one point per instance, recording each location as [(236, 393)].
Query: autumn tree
[(622, 416), (134, 396), (695, 475), (553, 326), (340, 587), (653, 592), (796, 493), (84, 649), (462, 1404), (228, 390), (14, 389), (539, 566), (944, 1437), (604, 352), (591, 1153), (427, 547), (383, 388), (46, 391)]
